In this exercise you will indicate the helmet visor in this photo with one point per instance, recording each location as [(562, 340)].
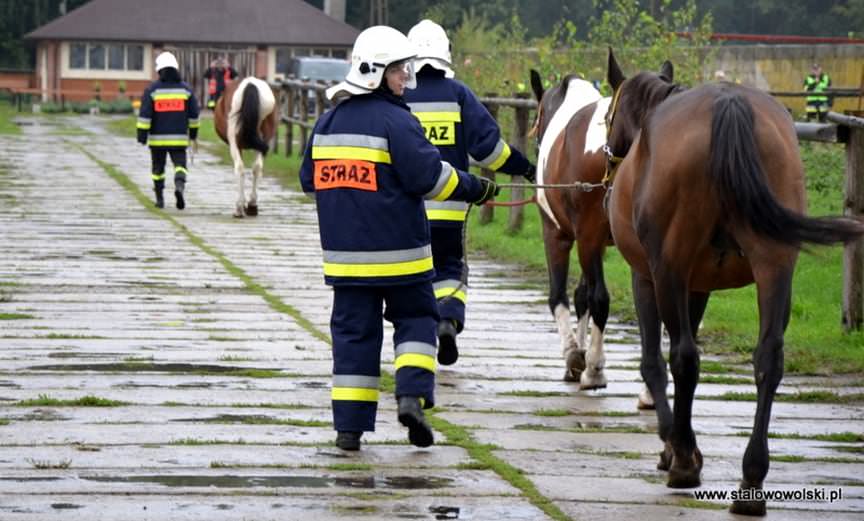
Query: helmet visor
[(406, 66)]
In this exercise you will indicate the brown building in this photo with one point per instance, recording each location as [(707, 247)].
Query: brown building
[(108, 44)]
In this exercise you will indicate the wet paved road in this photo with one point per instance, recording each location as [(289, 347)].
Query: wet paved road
[(211, 333)]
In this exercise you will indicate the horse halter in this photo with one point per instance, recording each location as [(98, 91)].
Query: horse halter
[(611, 158)]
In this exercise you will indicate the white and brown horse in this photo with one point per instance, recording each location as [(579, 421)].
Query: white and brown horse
[(246, 117), (571, 130)]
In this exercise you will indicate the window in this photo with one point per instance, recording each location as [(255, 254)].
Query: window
[(101, 56)]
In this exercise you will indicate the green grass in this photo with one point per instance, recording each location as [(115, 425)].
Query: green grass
[(15, 316), (85, 401), (7, 112), (801, 396), (815, 341)]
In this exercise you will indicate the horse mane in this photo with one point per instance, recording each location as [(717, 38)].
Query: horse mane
[(649, 90)]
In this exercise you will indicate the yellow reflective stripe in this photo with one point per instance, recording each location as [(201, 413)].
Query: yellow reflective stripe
[(439, 116), (157, 177), (170, 96), (505, 154), (416, 360), (366, 154), (448, 292), (354, 394), (168, 142), (194, 124), (451, 185), (445, 215), (392, 269), (143, 126)]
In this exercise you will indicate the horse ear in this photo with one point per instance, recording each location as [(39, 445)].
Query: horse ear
[(667, 71), (613, 73), (536, 84)]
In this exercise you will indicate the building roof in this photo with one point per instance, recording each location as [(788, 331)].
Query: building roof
[(250, 22)]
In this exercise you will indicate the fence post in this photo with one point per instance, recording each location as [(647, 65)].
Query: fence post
[(487, 213), (517, 213), (289, 127), (853, 255), (304, 117)]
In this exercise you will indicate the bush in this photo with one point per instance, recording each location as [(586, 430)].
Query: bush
[(51, 107)]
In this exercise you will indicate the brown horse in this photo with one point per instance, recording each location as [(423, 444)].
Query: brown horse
[(710, 195), (246, 117), (571, 131)]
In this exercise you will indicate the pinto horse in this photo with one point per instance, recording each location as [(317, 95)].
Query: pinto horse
[(709, 194), (571, 130), (246, 117)]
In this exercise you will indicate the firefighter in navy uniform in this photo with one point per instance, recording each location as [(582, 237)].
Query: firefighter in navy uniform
[(369, 168), (460, 126), (167, 121), (818, 103), (218, 75)]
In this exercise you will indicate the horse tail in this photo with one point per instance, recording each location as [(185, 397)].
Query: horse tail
[(537, 85), (250, 109), (737, 171)]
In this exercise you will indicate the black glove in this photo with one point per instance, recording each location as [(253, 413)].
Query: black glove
[(193, 134), (142, 136), (530, 175), (490, 190)]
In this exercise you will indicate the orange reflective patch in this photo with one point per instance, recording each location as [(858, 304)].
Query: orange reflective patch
[(346, 173), (169, 105)]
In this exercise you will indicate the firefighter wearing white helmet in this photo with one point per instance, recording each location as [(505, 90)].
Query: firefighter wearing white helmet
[(167, 121), (457, 123), (369, 168)]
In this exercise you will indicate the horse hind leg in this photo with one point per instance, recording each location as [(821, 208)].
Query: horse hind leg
[(558, 261), (257, 170), (774, 293), (237, 158), (593, 377)]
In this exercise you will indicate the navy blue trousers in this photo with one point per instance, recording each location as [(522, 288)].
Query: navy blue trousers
[(447, 255), (357, 329)]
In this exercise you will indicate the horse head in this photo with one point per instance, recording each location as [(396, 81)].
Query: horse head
[(632, 102)]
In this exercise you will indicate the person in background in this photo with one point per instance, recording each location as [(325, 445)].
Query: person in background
[(816, 83), (168, 121), (457, 123), (369, 167), (218, 75)]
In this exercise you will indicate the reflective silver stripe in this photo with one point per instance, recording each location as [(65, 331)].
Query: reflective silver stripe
[(143, 120), (415, 347), (446, 205), (350, 140), (488, 160), (450, 284), (435, 106), (443, 177), (377, 257), (355, 380), (170, 91), (169, 137)]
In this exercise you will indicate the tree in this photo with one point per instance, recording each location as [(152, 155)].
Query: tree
[(18, 18)]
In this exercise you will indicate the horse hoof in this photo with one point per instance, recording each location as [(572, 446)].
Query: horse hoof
[(570, 376), (646, 402), (748, 508), (665, 459), (575, 360), (592, 380), (252, 210), (238, 215), (681, 476)]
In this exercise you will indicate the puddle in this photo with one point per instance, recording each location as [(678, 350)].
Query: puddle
[(40, 415), (364, 482), (232, 418), (65, 506)]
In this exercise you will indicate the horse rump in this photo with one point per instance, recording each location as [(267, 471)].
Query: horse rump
[(737, 171), (250, 110)]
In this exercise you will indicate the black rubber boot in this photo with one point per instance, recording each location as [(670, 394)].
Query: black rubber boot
[(411, 416), (448, 353), (348, 440), (179, 186), (158, 186)]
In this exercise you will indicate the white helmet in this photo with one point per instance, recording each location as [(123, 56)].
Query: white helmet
[(375, 49), (166, 59), (433, 47)]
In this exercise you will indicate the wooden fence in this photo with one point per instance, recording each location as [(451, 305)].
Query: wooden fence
[(302, 102)]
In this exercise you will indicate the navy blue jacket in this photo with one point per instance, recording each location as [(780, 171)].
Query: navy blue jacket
[(168, 115), (460, 126), (370, 167)]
